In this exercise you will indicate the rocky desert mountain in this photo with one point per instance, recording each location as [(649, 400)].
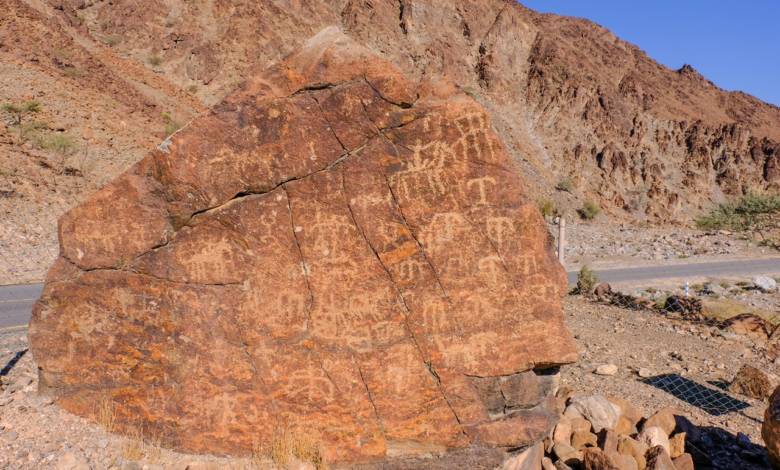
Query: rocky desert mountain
[(572, 102)]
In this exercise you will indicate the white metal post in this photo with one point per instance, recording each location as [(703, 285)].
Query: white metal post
[(561, 240)]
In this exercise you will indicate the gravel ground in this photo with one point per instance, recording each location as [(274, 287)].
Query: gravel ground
[(605, 245), (635, 339)]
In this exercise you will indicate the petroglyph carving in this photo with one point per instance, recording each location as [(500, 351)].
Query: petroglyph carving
[(289, 282)]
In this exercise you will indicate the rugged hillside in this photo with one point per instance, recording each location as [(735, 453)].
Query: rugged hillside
[(572, 101)]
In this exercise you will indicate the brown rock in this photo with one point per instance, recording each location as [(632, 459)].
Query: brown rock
[(608, 440), (635, 449), (754, 383), (663, 419), (309, 256), (770, 430), (529, 459), (563, 432), (567, 454), (580, 425), (596, 409), (688, 306), (625, 427), (684, 462), (632, 412), (596, 459), (602, 291), (623, 462), (658, 459), (773, 345), (581, 440), (752, 326), (654, 436), (677, 445)]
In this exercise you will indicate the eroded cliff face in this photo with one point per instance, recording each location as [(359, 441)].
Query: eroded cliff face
[(326, 252), (572, 100)]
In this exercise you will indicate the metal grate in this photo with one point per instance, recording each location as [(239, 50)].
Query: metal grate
[(705, 398)]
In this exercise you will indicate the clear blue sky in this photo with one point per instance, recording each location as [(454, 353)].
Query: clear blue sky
[(736, 44)]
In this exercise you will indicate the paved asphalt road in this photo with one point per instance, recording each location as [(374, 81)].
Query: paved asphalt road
[(751, 267), (16, 304), (16, 301)]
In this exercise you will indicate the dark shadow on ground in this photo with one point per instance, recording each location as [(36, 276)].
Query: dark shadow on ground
[(706, 399), (721, 384), (11, 363), (715, 448)]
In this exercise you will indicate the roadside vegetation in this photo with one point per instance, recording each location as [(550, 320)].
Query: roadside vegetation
[(19, 111), (565, 185), (171, 125), (586, 281), (548, 208), (589, 210), (756, 215)]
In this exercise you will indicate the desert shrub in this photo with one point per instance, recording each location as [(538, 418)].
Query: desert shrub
[(756, 214), (18, 111), (154, 60), (586, 280), (171, 125), (589, 210), (192, 89), (547, 208), (106, 414), (59, 143), (565, 185), (32, 128), (111, 40), (72, 72), (287, 445)]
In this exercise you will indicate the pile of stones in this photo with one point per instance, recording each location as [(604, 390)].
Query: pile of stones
[(600, 433)]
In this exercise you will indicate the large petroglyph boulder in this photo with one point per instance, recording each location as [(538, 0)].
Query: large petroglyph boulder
[(324, 253)]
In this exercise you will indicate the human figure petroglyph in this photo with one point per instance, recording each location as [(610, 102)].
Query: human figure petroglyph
[(304, 387), (474, 138), (330, 233), (499, 230), (443, 228), (482, 184), (424, 171), (493, 267), (410, 270)]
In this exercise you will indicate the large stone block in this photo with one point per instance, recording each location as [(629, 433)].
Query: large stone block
[(324, 254)]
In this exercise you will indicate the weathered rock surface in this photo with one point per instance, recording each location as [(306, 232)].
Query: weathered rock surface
[(770, 430), (324, 253), (754, 382)]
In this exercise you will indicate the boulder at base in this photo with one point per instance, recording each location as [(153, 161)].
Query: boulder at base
[(325, 257), (770, 430)]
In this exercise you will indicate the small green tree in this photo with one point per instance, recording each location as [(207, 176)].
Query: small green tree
[(586, 280), (756, 214), (18, 111), (589, 210), (547, 208), (171, 125), (565, 185)]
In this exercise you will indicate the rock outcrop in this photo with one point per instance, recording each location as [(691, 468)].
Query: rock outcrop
[(770, 430), (325, 255), (572, 100)]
